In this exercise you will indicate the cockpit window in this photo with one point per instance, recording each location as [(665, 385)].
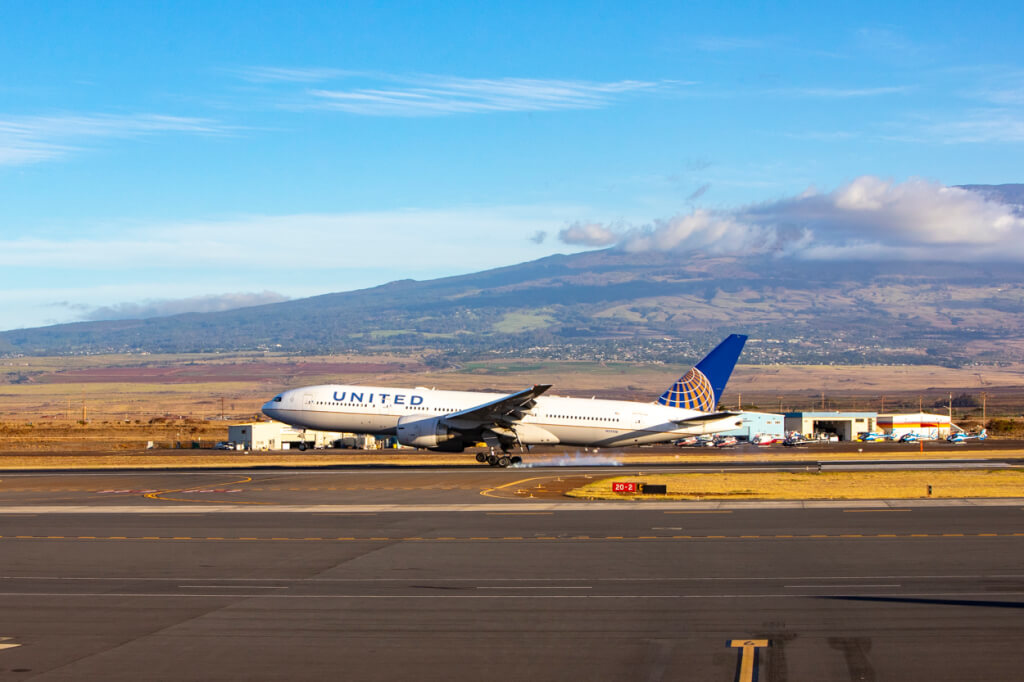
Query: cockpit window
[(277, 398)]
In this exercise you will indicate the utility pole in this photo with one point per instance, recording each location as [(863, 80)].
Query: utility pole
[(984, 410), (739, 402), (823, 401), (222, 408), (950, 408)]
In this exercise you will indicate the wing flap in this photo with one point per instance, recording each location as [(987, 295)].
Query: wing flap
[(504, 410)]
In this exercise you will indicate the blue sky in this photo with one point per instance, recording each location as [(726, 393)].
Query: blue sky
[(156, 157)]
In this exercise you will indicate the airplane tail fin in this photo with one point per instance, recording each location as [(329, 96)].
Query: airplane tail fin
[(702, 387)]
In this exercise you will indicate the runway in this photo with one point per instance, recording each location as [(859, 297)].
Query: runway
[(155, 588)]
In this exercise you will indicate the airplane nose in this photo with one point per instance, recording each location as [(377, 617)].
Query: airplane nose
[(270, 408)]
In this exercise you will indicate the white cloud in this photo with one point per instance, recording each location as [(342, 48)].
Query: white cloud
[(588, 234), (195, 304), (31, 139), (866, 218)]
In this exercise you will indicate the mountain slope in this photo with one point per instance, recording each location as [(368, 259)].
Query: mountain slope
[(614, 304)]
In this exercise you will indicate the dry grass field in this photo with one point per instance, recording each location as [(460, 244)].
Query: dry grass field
[(124, 401), (840, 485)]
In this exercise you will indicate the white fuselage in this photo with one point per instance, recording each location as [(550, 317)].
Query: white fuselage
[(570, 421)]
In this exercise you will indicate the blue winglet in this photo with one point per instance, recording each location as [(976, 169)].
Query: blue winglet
[(701, 388)]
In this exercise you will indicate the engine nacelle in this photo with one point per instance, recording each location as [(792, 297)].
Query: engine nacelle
[(428, 433)]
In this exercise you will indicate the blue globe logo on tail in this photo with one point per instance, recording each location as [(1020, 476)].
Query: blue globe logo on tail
[(693, 392), (701, 388)]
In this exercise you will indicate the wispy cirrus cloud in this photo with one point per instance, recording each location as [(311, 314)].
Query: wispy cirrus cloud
[(848, 93), (443, 95), (284, 74), (32, 139), (382, 94)]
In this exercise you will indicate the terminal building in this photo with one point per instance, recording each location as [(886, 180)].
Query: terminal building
[(842, 425)]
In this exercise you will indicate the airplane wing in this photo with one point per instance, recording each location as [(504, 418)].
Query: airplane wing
[(705, 417), (505, 410)]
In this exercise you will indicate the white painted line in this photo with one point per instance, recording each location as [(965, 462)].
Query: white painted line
[(230, 587), (532, 587), (990, 596), (831, 586)]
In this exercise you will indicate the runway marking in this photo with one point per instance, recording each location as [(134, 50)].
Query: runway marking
[(159, 495), (532, 587), (520, 513), (870, 511), (702, 511), (831, 586), (748, 657), (449, 538), (445, 595), (231, 587), (4, 645), (487, 491)]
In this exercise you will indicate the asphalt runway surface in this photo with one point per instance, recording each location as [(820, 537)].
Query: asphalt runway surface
[(131, 576)]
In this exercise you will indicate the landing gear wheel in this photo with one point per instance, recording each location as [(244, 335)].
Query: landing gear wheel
[(481, 457), (516, 459), (504, 461), (492, 460), (302, 446)]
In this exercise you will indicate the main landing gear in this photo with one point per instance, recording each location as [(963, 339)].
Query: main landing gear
[(495, 460)]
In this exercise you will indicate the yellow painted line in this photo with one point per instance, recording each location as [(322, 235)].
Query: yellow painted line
[(871, 511), (952, 535), (748, 656), (486, 493), (715, 511), (159, 495)]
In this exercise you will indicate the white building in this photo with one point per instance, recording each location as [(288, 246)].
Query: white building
[(922, 424), (764, 423), (277, 436)]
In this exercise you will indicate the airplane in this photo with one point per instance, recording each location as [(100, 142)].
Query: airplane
[(963, 437), (451, 421)]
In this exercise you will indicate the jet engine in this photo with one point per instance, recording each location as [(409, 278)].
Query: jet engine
[(428, 433)]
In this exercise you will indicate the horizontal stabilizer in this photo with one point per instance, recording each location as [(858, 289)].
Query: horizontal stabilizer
[(710, 416)]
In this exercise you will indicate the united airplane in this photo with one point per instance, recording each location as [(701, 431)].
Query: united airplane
[(451, 421)]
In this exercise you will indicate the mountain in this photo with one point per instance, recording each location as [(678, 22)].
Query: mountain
[(610, 304)]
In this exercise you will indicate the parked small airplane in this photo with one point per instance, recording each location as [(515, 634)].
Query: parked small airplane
[(451, 421), (963, 436)]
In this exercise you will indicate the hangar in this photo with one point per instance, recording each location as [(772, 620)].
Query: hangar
[(754, 423), (922, 424), (843, 425)]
